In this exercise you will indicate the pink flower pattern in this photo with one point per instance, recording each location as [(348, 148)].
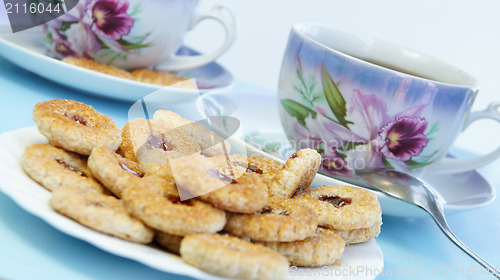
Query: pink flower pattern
[(110, 18), (92, 25), (403, 138), (373, 137)]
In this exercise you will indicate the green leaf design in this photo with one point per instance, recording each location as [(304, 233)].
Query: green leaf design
[(136, 9), (387, 163), (422, 161), (297, 110), (334, 97), (434, 128), (131, 46), (411, 164), (348, 145), (65, 25)]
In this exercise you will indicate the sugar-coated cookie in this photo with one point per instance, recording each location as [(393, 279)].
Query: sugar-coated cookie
[(210, 142), (99, 67), (171, 242), (232, 257), (156, 202), (231, 186), (282, 220), (359, 235), (324, 247), (75, 126), (343, 207), (100, 212), (297, 174), (115, 172), (150, 76), (54, 167)]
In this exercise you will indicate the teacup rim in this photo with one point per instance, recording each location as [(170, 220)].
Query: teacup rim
[(296, 29)]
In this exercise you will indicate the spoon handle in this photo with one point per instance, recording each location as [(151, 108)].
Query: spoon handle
[(443, 225)]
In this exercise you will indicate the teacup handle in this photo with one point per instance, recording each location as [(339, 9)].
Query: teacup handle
[(453, 165), (186, 62)]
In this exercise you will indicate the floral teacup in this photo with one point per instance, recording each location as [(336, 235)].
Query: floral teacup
[(353, 100), (133, 34)]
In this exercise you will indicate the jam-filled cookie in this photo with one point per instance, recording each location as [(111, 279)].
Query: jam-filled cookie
[(115, 172), (141, 136), (297, 174), (75, 126), (343, 207), (324, 247), (54, 167), (282, 219), (359, 235), (266, 168), (210, 142), (100, 212), (154, 144), (232, 186), (156, 202), (232, 257)]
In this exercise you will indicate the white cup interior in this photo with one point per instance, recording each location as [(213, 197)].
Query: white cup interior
[(384, 54)]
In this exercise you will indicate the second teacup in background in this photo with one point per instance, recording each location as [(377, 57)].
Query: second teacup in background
[(133, 34), (366, 103)]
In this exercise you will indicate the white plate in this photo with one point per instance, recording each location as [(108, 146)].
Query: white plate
[(26, 50), (367, 258), (260, 123)]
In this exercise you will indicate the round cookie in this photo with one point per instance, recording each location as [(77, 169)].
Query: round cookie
[(210, 142), (232, 187), (100, 212), (140, 136), (54, 168), (322, 248), (99, 67), (342, 207), (150, 76), (359, 235), (75, 126), (115, 172), (282, 220), (269, 167), (232, 257), (156, 202), (297, 174)]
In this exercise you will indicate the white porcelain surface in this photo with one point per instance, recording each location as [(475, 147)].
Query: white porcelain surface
[(459, 192), (133, 34)]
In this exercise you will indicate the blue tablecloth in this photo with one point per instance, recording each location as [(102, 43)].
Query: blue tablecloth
[(31, 249)]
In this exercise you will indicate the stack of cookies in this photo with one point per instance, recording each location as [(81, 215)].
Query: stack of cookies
[(169, 180)]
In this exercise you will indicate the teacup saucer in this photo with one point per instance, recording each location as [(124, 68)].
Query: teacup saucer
[(26, 50), (260, 126)]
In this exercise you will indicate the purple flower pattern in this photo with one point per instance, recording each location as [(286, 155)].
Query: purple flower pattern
[(373, 138), (403, 138), (92, 26), (110, 18)]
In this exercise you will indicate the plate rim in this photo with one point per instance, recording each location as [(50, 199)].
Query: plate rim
[(93, 237), (145, 87)]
